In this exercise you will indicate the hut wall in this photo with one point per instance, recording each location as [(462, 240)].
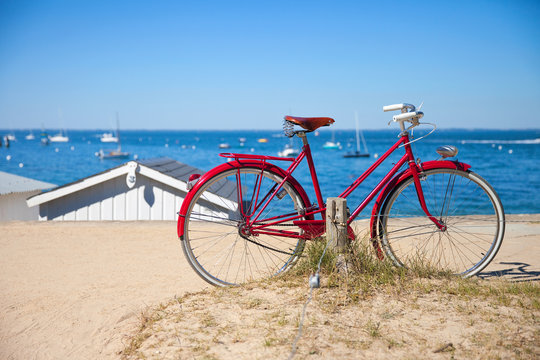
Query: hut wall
[(113, 200)]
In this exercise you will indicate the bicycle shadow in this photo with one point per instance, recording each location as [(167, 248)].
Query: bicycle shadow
[(518, 272)]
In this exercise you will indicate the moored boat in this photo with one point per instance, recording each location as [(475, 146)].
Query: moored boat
[(108, 138), (114, 154), (332, 144), (60, 137), (358, 153), (289, 152)]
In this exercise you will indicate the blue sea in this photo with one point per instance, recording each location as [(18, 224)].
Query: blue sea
[(508, 159)]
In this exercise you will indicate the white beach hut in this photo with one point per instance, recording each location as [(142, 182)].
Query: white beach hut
[(14, 190), (137, 190)]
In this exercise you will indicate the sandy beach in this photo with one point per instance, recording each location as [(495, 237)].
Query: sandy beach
[(76, 290)]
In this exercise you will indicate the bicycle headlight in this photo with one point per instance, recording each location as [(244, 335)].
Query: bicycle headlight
[(447, 151)]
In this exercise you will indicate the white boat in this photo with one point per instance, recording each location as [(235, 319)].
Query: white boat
[(11, 137), (59, 138), (114, 154), (289, 150), (332, 144), (358, 153), (224, 146), (108, 138), (30, 136)]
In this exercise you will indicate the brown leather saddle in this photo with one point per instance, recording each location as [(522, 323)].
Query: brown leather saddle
[(310, 123)]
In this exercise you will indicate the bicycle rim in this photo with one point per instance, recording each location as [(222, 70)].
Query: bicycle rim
[(214, 244), (464, 202)]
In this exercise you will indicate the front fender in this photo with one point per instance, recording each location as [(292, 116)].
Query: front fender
[(228, 166), (396, 180)]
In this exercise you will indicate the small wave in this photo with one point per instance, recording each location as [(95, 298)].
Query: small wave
[(526, 141)]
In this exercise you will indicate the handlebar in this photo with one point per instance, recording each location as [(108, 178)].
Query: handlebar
[(408, 113)]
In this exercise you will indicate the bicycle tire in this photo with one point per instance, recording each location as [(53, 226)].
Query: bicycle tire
[(212, 242), (464, 202)]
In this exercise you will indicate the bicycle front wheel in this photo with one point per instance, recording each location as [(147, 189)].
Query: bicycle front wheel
[(461, 200), (219, 243)]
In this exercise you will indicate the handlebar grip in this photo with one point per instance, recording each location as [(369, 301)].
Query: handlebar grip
[(408, 116), (392, 107), (398, 107)]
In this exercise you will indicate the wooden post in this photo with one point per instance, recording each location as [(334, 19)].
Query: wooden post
[(336, 223)]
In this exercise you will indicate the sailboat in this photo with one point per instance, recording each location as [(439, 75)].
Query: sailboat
[(60, 137), (332, 144), (357, 153), (289, 150), (114, 154), (109, 138)]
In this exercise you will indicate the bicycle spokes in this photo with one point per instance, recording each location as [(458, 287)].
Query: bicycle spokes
[(248, 235), (464, 203)]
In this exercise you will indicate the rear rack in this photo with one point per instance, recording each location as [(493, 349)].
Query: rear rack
[(253, 156)]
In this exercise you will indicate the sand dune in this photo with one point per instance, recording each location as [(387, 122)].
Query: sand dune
[(75, 290)]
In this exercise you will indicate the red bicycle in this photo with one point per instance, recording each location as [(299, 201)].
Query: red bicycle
[(248, 218)]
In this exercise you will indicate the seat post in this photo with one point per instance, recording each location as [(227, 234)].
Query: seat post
[(302, 135), (311, 165)]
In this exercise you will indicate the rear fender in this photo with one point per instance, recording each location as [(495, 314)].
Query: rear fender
[(228, 166), (395, 181)]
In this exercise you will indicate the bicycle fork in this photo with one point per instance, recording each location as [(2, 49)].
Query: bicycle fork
[(418, 186)]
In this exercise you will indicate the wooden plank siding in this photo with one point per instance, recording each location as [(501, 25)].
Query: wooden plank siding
[(113, 200)]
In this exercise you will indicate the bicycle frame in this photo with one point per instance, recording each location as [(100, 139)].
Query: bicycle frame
[(313, 227), (248, 218)]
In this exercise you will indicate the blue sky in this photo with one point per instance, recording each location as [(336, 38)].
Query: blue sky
[(246, 64)]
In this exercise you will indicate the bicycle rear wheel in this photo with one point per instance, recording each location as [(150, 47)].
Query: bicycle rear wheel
[(464, 202), (218, 244)]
